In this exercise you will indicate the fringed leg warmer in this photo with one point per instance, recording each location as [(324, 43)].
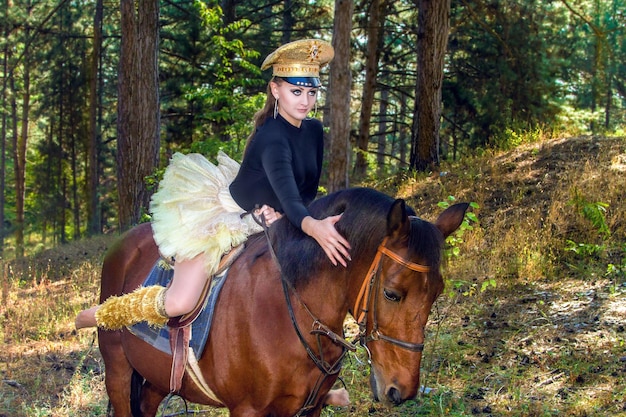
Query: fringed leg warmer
[(144, 304)]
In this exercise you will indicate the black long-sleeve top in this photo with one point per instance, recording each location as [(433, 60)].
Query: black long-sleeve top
[(281, 168)]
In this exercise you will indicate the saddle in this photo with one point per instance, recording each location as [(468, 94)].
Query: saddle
[(180, 327)]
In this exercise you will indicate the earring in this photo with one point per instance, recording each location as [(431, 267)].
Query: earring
[(275, 108)]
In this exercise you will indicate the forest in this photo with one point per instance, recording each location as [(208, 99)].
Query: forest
[(509, 68), (516, 107)]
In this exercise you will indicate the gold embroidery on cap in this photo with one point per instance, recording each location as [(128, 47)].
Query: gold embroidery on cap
[(314, 53), (301, 58)]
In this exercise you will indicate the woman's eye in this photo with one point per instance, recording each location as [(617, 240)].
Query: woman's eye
[(296, 92), (313, 93), (392, 296)]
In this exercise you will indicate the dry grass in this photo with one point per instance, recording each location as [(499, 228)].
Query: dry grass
[(548, 340), (47, 369)]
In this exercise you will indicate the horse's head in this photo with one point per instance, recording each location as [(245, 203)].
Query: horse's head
[(393, 301), (405, 281)]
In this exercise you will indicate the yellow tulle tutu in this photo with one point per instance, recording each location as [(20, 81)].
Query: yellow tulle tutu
[(193, 211)]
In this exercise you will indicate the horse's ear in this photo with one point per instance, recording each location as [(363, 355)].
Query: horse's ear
[(397, 219), (451, 219)]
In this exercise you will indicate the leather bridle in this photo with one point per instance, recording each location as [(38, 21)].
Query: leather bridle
[(361, 307), (368, 296)]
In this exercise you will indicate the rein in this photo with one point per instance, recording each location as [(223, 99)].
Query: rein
[(364, 300), (318, 329)]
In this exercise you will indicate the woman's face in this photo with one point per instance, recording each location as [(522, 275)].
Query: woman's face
[(294, 102)]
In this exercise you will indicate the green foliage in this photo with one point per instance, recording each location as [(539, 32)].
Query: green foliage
[(510, 137), (515, 72), (616, 272), (583, 250), (594, 212), (228, 106), (456, 239), (576, 121), (510, 56), (588, 253), (453, 250), (237, 131)]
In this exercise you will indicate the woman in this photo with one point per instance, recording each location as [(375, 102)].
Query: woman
[(280, 174)]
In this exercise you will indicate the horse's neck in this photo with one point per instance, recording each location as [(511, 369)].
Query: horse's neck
[(326, 296)]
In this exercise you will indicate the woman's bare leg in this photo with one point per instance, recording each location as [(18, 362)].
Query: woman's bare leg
[(187, 284), (180, 298)]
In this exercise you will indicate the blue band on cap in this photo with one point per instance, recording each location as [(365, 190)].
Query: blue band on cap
[(303, 81)]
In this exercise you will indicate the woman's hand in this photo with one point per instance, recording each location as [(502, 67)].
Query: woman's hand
[(269, 214), (324, 232)]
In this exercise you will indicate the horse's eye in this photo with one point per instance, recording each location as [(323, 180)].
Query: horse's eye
[(392, 296)]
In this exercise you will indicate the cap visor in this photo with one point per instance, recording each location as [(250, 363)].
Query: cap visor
[(303, 81)]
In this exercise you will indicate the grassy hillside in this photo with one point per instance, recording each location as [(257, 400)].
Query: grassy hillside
[(532, 322)]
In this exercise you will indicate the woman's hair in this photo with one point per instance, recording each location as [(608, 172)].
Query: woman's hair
[(266, 112)]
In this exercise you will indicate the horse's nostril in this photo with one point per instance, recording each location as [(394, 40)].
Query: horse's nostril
[(394, 396)]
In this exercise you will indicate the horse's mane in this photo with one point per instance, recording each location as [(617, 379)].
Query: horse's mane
[(363, 224)]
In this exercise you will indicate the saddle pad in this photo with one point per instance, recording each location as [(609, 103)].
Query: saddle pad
[(161, 274)]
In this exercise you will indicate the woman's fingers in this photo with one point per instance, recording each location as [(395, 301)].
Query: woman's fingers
[(268, 214), (338, 245), (334, 245), (334, 257), (345, 254)]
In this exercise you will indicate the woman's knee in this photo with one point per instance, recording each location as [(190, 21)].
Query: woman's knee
[(177, 305)]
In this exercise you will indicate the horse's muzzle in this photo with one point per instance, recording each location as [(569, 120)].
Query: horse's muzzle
[(390, 395)]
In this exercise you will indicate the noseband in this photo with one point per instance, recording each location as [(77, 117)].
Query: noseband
[(364, 300)]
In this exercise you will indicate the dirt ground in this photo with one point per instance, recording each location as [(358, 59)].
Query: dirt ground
[(549, 338)]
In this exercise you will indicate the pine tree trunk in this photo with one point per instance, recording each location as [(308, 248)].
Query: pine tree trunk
[(288, 21), (14, 125), (382, 130), (403, 135), (19, 149), (338, 97), (138, 107), (432, 39), (93, 211), (60, 233), (3, 128), (374, 31)]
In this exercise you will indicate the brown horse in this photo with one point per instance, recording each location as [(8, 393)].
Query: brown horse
[(275, 346)]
